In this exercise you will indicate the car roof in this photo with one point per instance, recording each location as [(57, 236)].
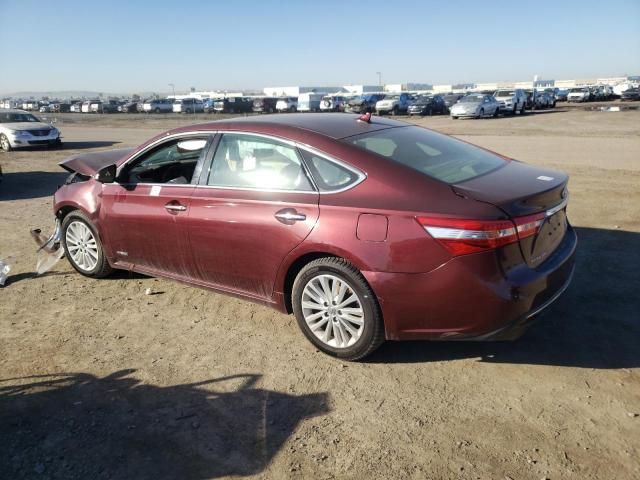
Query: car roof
[(333, 125)]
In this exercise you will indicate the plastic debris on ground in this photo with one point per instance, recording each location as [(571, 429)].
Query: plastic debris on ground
[(5, 268), (50, 249)]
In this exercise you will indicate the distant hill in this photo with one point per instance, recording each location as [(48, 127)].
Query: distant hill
[(62, 94)]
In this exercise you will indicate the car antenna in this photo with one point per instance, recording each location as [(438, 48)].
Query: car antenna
[(365, 117)]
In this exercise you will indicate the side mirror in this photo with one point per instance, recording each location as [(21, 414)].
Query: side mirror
[(106, 174)]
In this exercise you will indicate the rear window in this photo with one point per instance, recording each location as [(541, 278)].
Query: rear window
[(438, 156)]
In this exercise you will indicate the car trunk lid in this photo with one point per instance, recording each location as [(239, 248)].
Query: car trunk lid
[(534, 198)]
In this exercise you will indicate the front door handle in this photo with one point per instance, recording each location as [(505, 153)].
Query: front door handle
[(175, 207), (289, 216)]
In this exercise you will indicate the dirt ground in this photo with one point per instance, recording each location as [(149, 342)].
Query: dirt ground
[(99, 380)]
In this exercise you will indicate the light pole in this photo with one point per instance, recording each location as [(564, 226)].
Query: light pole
[(173, 87), (379, 78)]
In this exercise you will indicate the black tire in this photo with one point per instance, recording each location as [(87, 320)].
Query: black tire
[(102, 268), (157, 110), (372, 335), (454, 117), (430, 111), (394, 111), (4, 143), (523, 108), (481, 113), (496, 113)]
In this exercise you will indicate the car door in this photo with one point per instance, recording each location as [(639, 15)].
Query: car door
[(143, 213), (254, 205)]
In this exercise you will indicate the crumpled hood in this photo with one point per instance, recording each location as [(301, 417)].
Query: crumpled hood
[(90, 163), (27, 126)]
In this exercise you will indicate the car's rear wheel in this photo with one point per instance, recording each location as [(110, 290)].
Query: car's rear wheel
[(82, 246), (394, 111), (481, 113), (336, 309), (496, 112), (4, 143)]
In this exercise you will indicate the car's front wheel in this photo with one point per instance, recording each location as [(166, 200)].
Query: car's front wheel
[(336, 309), (82, 246), (4, 143)]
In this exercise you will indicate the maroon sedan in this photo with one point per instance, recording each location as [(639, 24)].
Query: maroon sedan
[(365, 228)]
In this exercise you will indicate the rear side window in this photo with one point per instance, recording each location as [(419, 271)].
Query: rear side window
[(328, 175), (438, 156), (247, 161)]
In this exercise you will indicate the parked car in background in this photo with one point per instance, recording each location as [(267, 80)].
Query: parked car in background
[(544, 100), (561, 94), (233, 105), (443, 219), (110, 106), (19, 129), (476, 105), (450, 99), (578, 94), (630, 94), (45, 109), (427, 105), (364, 103), (511, 101), (394, 104), (128, 107), (188, 105), (86, 106), (333, 103), (287, 104), (60, 107), (158, 105), (309, 102), (264, 104), (76, 107)]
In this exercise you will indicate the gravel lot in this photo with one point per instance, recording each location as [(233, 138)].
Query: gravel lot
[(99, 380)]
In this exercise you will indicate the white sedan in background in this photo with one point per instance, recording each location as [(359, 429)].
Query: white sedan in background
[(19, 129), (476, 105)]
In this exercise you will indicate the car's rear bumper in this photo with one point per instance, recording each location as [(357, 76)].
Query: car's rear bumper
[(471, 297)]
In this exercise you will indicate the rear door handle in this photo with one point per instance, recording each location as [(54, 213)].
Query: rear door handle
[(175, 207), (289, 216)]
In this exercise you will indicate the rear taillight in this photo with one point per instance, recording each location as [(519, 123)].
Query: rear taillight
[(464, 236)]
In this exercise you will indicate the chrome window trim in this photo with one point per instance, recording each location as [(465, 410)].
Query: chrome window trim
[(362, 176)]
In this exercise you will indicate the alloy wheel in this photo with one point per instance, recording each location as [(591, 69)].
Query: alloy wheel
[(333, 311), (82, 246)]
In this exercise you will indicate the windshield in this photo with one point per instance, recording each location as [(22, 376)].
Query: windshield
[(505, 93), (577, 90), (430, 153), (471, 99), (10, 117)]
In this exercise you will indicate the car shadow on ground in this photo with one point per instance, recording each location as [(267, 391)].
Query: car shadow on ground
[(77, 425), (86, 145), (594, 324), (26, 185)]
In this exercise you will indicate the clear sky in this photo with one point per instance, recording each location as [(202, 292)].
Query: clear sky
[(128, 46)]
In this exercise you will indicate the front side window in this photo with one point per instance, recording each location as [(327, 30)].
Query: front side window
[(173, 161), (255, 162), (430, 153)]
